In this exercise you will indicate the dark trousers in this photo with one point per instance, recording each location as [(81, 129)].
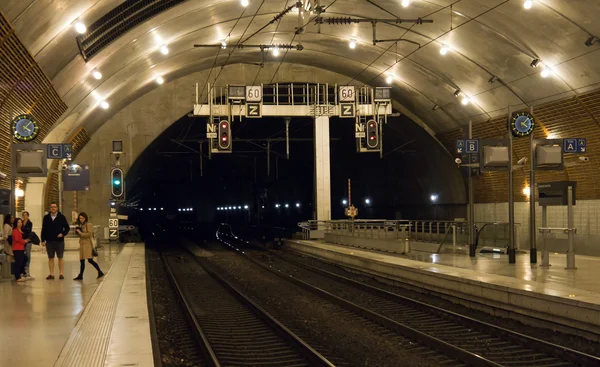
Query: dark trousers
[(82, 265), (19, 263)]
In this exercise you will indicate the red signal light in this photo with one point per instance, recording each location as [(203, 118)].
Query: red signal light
[(224, 125), (372, 124), (224, 137)]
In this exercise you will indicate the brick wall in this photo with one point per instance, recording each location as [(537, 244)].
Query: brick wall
[(577, 117)]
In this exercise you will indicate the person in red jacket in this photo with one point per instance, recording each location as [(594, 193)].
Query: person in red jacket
[(18, 247)]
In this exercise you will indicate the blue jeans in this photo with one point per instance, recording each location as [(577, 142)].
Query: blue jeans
[(28, 255)]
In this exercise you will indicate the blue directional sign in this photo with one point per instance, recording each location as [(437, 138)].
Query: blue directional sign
[(460, 146), (60, 151), (472, 146), (581, 145), (570, 146)]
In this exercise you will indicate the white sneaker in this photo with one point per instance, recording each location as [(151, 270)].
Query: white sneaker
[(29, 277)]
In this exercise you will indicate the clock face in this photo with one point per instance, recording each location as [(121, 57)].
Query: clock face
[(522, 124), (25, 128)]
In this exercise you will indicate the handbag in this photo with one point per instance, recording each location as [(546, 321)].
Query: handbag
[(94, 252), (34, 238)]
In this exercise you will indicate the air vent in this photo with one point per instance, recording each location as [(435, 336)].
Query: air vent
[(119, 21)]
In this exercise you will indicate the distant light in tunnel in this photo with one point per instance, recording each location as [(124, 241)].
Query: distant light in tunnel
[(528, 4), (389, 79), (297, 205), (344, 202), (433, 197), (465, 101), (352, 44), (164, 50), (277, 205), (80, 28), (275, 51), (444, 50), (405, 3), (160, 80), (287, 205), (245, 206), (367, 201), (104, 105), (97, 75), (245, 3)]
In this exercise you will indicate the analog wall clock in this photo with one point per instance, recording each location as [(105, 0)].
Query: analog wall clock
[(25, 128), (522, 124)]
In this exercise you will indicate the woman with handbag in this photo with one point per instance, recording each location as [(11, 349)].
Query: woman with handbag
[(85, 231)]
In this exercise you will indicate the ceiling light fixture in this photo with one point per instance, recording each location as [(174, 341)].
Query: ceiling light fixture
[(275, 51), (435, 107), (493, 79), (535, 63), (389, 79), (457, 93), (444, 50), (465, 101), (104, 105), (223, 44), (546, 72), (528, 4), (591, 41), (164, 50), (352, 44), (160, 80), (97, 75), (405, 3), (245, 3), (80, 28)]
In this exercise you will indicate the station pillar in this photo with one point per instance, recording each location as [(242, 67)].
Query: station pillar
[(322, 169)]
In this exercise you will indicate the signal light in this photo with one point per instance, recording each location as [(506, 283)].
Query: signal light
[(225, 136), (117, 182), (373, 135)]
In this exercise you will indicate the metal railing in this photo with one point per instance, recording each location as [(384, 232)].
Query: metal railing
[(444, 233)]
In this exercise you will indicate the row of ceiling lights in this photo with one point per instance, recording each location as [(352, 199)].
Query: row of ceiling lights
[(96, 74), (546, 70)]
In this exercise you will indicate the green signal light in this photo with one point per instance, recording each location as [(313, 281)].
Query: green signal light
[(117, 182)]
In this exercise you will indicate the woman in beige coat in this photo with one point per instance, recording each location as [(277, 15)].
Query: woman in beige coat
[(85, 231)]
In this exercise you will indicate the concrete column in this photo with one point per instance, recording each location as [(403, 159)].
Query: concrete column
[(322, 169)]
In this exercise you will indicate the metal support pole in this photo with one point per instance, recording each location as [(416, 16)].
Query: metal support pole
[(532, 229), (201, 162), (571, 225), (60, 191), (511, 195), (287, 137), (454, 238), (268, 158), (545, 252), (472, 249)]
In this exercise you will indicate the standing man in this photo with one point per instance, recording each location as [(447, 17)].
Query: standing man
[(54, 229), (27, 229)]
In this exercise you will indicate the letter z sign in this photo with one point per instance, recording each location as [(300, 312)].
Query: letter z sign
[(253, 110), (347, 110)]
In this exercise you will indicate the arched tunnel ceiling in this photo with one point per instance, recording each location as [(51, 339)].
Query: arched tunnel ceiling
[(487, 37)]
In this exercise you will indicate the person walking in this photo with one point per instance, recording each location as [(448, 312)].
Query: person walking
[(85, 230), (18, 247), (27, 229), (54, 229)]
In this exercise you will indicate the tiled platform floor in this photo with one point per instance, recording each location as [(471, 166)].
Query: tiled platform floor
[(71, 323)]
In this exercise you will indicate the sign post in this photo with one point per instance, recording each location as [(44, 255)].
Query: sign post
[(113, 229)]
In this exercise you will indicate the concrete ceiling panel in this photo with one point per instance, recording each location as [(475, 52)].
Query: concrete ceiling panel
[(487, 37)]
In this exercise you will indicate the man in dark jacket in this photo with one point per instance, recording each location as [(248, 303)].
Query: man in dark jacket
[(54, 229)]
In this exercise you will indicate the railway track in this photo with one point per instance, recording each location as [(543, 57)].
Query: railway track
[(231, 329), (468, 340)]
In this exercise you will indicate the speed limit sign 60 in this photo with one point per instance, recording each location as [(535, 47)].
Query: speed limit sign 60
[(347, 93), (253, 93)]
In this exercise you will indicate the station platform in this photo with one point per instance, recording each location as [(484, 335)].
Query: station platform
[(565, 300), (78, 323)]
